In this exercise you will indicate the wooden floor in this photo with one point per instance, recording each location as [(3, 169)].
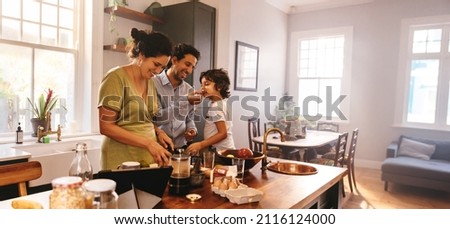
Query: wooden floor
[(370, 194)]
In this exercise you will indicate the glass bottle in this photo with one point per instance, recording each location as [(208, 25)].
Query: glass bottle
[(102, 193), (80, 164), (67, 193)]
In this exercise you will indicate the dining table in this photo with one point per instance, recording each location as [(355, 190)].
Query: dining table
[(313, 139)]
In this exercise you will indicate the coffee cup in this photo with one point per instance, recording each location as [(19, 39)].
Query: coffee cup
[(194, 98)]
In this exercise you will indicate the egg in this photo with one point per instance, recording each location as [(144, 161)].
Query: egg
[(233, 185), (224, 185), (217, 182)]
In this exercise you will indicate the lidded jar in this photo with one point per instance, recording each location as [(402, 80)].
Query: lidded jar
[(102, 193), (67, 193)]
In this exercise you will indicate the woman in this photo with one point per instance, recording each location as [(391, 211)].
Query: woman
[(128, 102)]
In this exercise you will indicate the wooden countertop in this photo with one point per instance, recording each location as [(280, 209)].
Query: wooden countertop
[(280, 191)]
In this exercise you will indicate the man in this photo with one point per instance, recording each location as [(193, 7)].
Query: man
[(176, 114)]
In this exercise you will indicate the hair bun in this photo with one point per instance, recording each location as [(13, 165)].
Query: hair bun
[(135, 34)]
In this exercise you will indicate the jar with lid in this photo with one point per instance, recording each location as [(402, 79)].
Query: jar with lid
[(81, 166), (102, 193), (67, 193)]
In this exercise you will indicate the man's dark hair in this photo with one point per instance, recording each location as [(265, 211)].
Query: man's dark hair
[(181, 50)]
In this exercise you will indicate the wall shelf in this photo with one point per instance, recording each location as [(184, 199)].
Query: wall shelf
[(124, 12), (116, 48), (127, 13)]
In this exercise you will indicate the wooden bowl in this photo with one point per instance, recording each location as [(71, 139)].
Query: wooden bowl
[(249, 162)]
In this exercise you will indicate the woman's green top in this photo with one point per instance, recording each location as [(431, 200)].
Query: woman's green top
[(135, 115)]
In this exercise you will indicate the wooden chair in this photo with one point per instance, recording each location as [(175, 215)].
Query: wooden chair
[(254, 130), (310, 154), (350, 159), (328, 126), (20, 173), (338, 158)]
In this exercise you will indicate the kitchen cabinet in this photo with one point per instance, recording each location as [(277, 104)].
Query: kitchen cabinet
[(192, 23), (120, 11)]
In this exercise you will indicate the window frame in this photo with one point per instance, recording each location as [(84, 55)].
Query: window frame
[(347, 32), (406, 56), (81, 88)]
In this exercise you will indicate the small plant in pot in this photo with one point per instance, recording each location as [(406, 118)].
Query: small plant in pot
[(42, 111)]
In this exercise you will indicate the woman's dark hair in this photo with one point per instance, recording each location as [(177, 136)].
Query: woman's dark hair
[(181, 50), (220, 79), (151, 44)]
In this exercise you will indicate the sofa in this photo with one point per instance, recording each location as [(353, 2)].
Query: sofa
[(417, 162)]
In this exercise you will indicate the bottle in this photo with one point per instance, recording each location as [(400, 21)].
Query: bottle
[(19, 135), (67, 193), (80, 164), (102, 193)]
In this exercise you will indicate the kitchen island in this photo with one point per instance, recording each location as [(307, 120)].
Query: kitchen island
[(281, 191)]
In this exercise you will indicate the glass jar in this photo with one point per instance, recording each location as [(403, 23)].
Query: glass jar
[(67, 193), (102, 193), (81, 166)]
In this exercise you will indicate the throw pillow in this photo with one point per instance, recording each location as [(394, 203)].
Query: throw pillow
[(412, 148)]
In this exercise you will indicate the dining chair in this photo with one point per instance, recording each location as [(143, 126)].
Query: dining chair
[(349, 159), (328, 148), (338, 158), (327, 126), (20, 173), (254, 130)]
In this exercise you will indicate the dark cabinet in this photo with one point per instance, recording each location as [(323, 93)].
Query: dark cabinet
[(192, 23)]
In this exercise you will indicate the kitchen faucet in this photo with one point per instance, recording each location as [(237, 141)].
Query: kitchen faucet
[(41, 133), (264, 149)]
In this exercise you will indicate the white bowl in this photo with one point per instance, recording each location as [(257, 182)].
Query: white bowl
[(244, 195)]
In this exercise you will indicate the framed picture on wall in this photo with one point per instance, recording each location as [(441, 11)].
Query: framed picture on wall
[(246, 67)]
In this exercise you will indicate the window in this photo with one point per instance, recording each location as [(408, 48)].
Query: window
[(425, 72), (39, 40), (321, 72)]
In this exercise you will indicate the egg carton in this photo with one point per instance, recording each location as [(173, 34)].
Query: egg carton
[(222, 193), (244, 195)]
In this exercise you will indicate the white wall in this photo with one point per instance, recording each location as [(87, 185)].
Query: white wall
[(259, 24), (374, 66)]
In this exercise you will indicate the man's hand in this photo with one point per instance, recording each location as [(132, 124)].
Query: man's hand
[(190, 134)]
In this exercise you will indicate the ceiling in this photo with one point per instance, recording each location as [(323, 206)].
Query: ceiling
[(297, 6)]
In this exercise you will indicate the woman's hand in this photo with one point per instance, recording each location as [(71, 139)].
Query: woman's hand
[(165, 140), (160, 154)]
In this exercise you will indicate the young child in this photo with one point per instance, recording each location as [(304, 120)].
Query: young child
[(217, 130)]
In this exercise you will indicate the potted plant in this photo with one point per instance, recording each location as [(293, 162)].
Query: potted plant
[(42, 111)]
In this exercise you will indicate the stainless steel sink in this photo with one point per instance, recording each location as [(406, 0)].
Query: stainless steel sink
[(291, 168)]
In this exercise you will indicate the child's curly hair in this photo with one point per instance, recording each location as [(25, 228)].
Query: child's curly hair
[(220, 79)]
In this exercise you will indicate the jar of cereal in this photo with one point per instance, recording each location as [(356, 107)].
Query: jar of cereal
[(67, 193)]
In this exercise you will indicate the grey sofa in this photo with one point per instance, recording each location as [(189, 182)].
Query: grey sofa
[(433, 173)]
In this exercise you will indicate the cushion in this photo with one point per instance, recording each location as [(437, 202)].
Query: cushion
[(442, 151), (416, 149)]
